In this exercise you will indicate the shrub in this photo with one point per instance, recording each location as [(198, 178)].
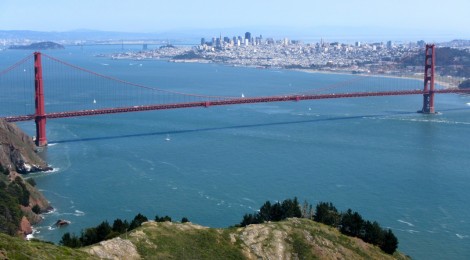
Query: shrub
[(31, 181), (36, 209)]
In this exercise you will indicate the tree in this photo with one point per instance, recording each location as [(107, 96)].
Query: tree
[(327, 214), (265, 212), (31, 181), (89, 237), (390, 242), (137, 222), (70, 240), (184, 220), (103, 230), (291, 209), (373, 233), (249, 219), (120, 226), (352, 223)]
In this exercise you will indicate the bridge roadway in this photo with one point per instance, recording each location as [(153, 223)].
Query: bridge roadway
[(234, 101)]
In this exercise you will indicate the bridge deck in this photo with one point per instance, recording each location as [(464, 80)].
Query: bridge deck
[(229, 102)]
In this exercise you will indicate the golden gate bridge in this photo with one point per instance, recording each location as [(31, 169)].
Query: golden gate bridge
[(66, 98)]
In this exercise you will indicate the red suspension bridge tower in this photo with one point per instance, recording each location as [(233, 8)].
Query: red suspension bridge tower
[(40, 116), (428, 96)]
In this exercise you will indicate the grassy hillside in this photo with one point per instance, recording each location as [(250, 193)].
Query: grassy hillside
[(289, 239), (17, 248)]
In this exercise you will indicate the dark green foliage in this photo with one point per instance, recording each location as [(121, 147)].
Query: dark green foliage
[(120, 226), (10, 196), (352, 224), (373, 233), (291, 209), (31, 181), (101, 232), (327, 214), (89, 236), (18, 189), (4, 170), (10, 213), (184, 220), (137, 222), (188, 56), (70, 240), (249, 219), (273, 212), (112, 235), (162, 219), (36, 209), (390, 242)]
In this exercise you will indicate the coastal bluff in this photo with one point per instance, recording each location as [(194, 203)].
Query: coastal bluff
[(18, 152), (21, 202)]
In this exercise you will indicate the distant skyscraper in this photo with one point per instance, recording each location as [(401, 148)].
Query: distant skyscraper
[(203, 41), (248, 36), (389, 45)]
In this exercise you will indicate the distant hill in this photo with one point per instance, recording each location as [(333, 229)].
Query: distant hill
[(77, 35), (465, 84), (290, 239), (449, 61), (38, 46)]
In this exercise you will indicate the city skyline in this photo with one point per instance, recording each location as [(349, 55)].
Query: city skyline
[(420, 19)]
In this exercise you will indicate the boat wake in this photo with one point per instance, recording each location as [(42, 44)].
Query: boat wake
[(405, 222)]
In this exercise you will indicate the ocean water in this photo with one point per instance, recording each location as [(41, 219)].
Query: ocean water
[(408, 171)]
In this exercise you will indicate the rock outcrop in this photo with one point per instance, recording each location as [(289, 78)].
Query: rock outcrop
[(17, 151)]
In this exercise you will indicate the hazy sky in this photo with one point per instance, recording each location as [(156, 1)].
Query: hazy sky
[(160, 16)]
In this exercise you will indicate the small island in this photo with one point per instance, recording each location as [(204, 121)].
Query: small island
[(38, 46)]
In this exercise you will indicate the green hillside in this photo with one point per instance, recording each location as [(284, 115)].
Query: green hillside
[(293, 238)]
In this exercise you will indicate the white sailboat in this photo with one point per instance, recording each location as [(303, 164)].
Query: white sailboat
[(94, 101), (243, 95)]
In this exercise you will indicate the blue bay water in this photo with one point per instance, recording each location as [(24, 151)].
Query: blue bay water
[(408, 171)]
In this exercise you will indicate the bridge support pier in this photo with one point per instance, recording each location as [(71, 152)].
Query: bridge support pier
[(40, 114), (428, 96)]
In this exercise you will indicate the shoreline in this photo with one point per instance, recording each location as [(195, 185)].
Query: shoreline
[(419, 76)]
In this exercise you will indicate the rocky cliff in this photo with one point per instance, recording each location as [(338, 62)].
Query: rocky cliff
[(17, 151), (17, 157)]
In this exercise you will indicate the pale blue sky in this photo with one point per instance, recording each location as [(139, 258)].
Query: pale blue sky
[(160, 16)]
